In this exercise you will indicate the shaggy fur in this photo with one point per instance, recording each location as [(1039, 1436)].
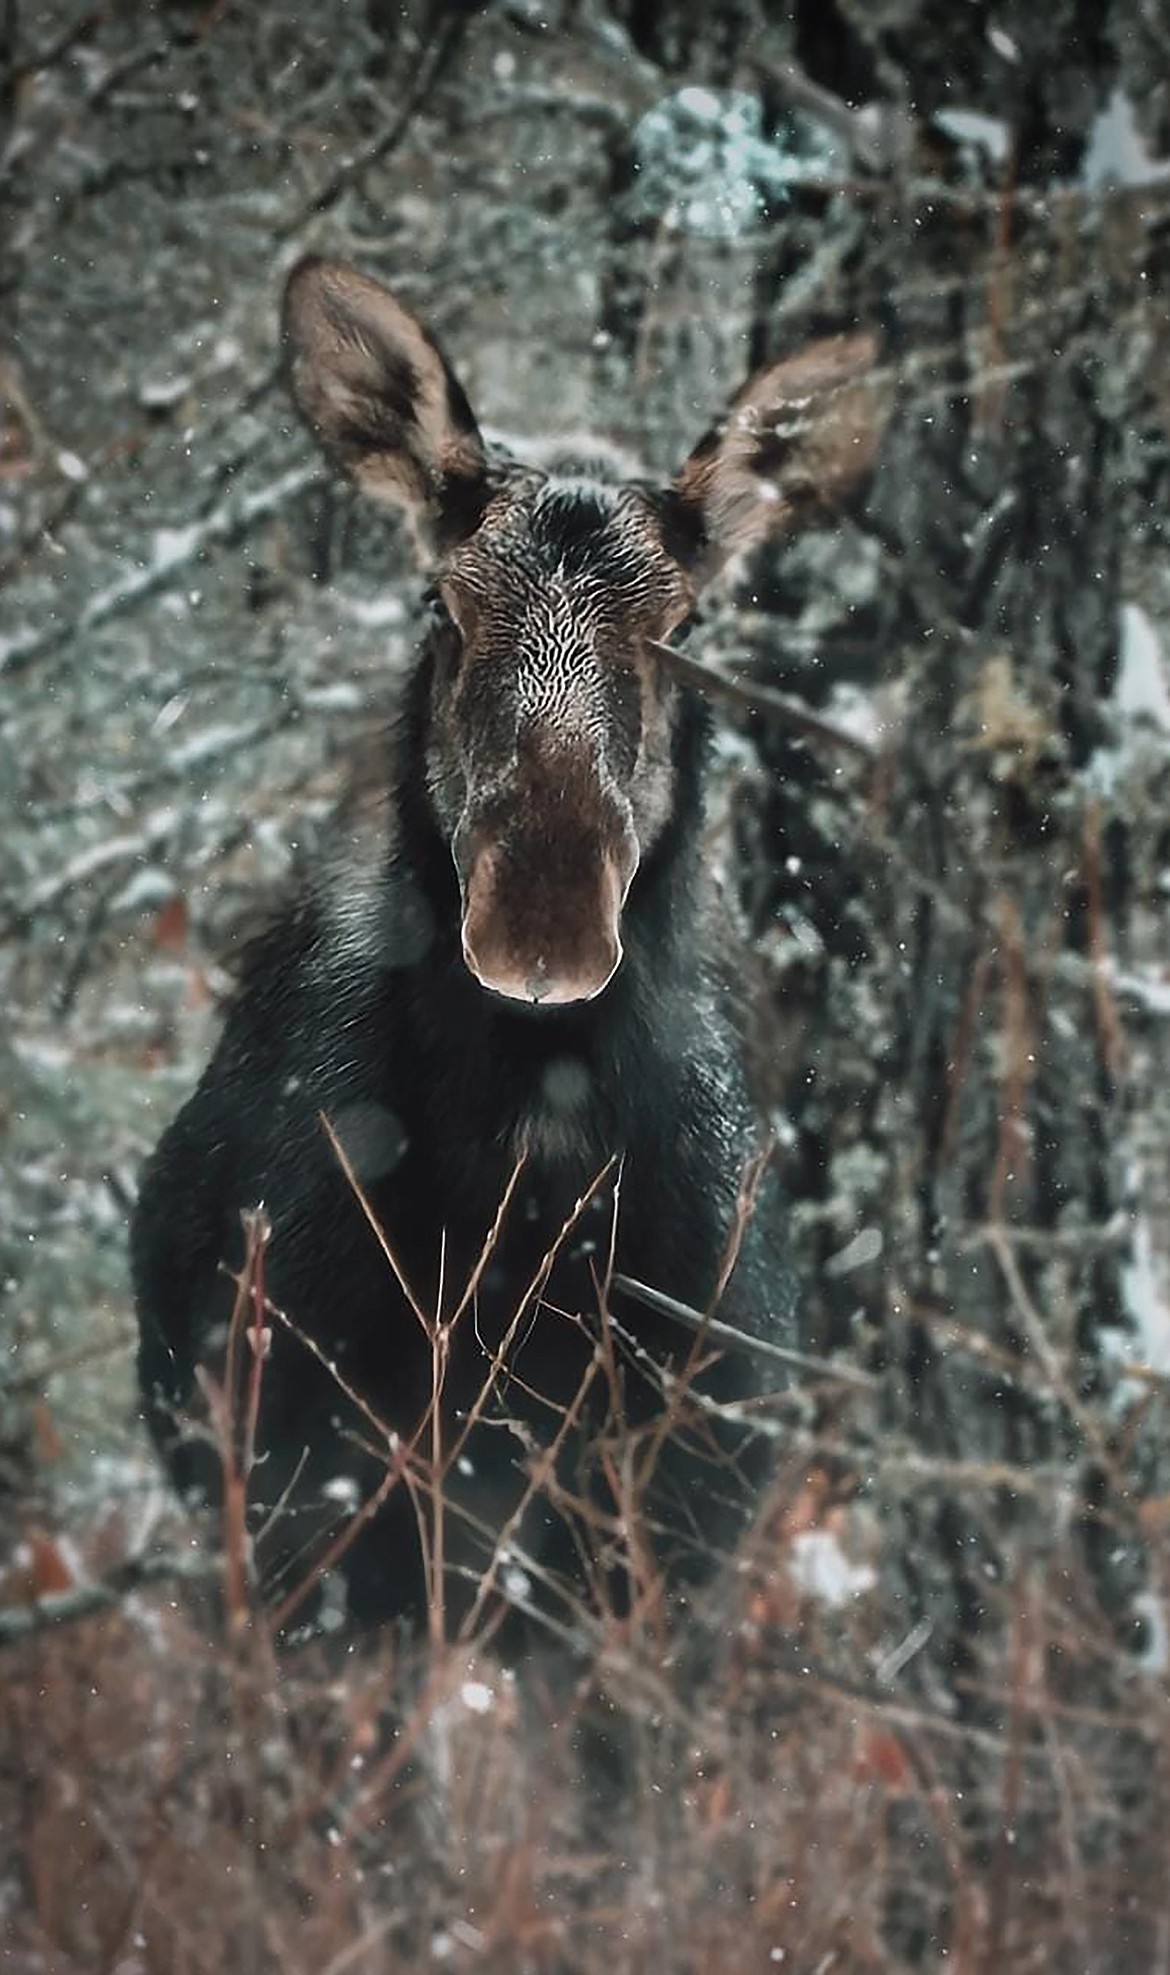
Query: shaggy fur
[(543, 821)]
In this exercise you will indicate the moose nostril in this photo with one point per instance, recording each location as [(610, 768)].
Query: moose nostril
[(539, 985)]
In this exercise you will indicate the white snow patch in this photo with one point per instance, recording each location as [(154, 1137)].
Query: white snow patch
[(160, 393), (1144, 1293), (1104, 770), (222, 739), (857, 713), (460, 1934), (972, 127), (167, 715), (145, 890), (700, 102), (174, 545), (819, 1567), (374, 610), (1140, 694), (16, 643), (890, 1665), (1116, 152), (1150, 991), (517, 1585), (39, 1053), (1155, 1655), (477, 1696), (173, 548), (96, 857), (864, 1248), (1141, 691), (340, 697)]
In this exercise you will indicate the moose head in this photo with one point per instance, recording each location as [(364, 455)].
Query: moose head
[(553, 709)]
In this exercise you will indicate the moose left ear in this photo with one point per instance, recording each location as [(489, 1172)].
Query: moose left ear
[(798, 439), (381, 397)]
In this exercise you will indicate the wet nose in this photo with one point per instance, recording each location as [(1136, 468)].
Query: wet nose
[(545, 943)]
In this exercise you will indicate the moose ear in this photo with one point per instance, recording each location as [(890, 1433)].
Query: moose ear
[(798, 439), (381, 398)]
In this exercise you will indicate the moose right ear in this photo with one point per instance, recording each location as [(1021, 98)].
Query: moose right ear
[(799, 438), (381, 398)]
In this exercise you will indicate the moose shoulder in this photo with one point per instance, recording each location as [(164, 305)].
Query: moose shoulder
[(503, 990)]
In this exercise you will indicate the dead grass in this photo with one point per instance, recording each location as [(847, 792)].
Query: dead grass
[(796, 1773), (756, 1796)]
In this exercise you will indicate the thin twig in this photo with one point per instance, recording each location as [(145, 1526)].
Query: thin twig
[(432, 62), (542, 1471), (498, 1357), (83, 1600), (426, 1323), (745, 696), (1038, 1339), (739, 1340), (32, 1378), (1002, 1873)]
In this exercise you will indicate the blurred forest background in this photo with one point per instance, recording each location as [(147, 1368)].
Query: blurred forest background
[(940, 1737)]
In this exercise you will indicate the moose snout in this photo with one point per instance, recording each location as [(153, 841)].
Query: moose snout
[(542, 920)]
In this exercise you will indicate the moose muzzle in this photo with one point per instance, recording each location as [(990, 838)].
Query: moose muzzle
[(543, 886)]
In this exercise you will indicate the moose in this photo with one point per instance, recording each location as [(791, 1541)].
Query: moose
[(482, 1072)]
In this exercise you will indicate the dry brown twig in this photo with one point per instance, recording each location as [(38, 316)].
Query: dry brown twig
[(1111, 1035), (1013, 1150), (740, 695)]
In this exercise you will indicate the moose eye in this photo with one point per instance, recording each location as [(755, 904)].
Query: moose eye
[(677, 628), (438, 614), (443, 632)]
